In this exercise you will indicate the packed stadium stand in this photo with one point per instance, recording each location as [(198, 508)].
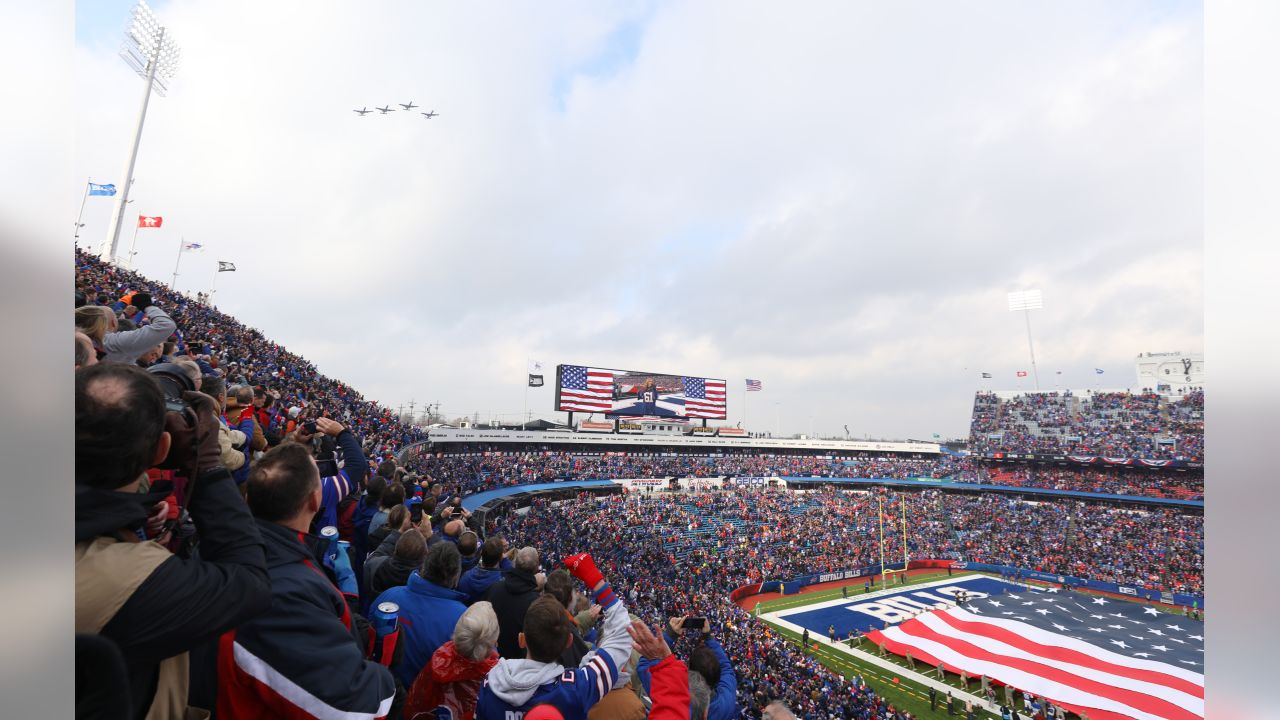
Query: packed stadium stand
[(1102, 487)]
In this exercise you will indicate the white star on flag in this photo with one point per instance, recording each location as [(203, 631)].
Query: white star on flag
[(1014, 597), (1154, 631), (1196, 637), (1142, 655), (1161, 648), (1116, 627), (1174, 627), (1151, 611), (1120, 643), (1099, 601), (995, 603), (1060, 628), (1042, 611)]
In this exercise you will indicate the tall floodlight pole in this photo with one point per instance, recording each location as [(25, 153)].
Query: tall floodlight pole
[(150, 51), (1026, 301)]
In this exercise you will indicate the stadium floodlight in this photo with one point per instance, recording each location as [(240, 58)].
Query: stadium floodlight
[(150, 51), (1026, 301)]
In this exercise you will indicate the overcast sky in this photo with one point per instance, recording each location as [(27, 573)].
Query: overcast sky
[(833, 198)]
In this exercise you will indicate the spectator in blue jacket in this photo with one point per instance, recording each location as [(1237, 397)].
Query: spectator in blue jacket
[(710, 661), (335, 482), (476, 581), (429, 608)]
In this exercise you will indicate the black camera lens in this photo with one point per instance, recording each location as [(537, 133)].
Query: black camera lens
[(173, 382)]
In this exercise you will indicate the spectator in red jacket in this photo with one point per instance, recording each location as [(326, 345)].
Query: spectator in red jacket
[(669, 688), (451, 681)]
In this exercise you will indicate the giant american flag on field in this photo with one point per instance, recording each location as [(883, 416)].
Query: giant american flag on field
[(1112, 659)]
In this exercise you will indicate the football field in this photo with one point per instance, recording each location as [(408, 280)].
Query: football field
[(829, 617)]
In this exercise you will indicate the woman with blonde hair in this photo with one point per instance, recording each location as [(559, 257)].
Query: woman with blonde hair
[(100, 324)]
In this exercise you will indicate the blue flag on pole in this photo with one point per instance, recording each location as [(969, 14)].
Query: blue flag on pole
[(1097, 371), (96, 189)]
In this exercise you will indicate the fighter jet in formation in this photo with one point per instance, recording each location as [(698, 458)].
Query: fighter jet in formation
[(389, 109)]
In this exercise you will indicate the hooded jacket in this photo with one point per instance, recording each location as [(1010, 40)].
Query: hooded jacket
[(477, 581), (299, 659), (154, 605), (428, 613), (450, 682), (514, 687), (511, 598)]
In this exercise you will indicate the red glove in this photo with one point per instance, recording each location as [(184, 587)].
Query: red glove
[(584, 568)]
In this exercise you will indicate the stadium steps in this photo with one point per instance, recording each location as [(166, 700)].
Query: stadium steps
[(946, 518)]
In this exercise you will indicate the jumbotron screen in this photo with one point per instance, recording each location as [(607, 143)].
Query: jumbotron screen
[(631, 393)]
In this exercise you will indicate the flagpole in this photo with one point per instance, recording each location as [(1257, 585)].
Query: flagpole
[(745, 395), (80, 217), (524, 418), (174, 284), (213, 286), (133, 245)]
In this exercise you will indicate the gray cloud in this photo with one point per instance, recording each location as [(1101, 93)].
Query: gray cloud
[(832, 199)]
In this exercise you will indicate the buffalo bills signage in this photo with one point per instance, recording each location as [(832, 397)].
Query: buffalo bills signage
[(864, 611)]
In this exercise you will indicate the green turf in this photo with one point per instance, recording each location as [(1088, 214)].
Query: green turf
[(906, 694)]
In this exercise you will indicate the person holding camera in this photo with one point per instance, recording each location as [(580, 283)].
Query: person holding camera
[(708, 660), (328, 437), (130, 589)]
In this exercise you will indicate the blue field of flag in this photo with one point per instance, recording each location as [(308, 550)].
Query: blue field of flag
[(863, 612)]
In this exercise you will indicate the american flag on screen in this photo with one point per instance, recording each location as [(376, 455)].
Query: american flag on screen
[(1110, 658), (703, 398), (586, 389)]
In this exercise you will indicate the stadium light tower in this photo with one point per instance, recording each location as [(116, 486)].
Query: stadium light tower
[(151, 52), (1026, 301)]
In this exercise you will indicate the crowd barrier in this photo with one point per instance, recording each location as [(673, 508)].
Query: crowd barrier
[(790, 587)]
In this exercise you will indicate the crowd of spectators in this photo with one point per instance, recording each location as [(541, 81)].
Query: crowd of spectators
[(1180, 484), (742, 537), (1160, 549), (174, 326), (473, 472), (1138, 425), (246, 544)]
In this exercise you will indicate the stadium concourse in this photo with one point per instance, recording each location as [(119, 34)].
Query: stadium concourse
[(479, 536)]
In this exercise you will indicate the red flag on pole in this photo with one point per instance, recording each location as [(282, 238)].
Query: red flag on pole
[(150, 222), (1022, 373)]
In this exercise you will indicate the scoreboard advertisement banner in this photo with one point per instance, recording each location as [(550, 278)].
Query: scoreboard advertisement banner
[(632, 393)]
